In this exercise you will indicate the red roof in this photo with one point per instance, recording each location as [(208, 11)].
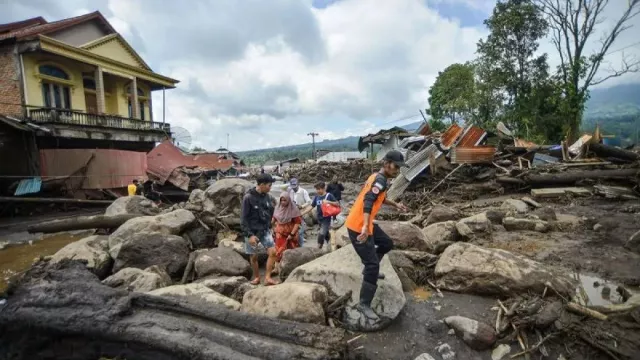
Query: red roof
[(472, 137), (472, 155), (211, 161), (451, 135), (39, 26)]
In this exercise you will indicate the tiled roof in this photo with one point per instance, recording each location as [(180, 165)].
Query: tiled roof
[(36, 26)]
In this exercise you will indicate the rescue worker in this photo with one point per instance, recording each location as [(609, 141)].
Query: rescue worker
[(369, 241)]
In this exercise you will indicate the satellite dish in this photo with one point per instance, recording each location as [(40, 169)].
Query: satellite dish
[(181, 137)]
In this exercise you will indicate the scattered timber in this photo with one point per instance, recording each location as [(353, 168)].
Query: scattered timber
[(569, 178), (555, 192), (613, 152), (81, 223)]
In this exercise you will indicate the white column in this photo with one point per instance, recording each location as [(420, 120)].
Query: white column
[(99, 80), (135, 105)]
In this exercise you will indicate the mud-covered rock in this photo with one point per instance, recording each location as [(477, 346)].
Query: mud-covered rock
[(221, 261), (517, 224), (292, 258), (198, 291), (223, 198), (440, 235), (546, 213), (137, 205), (514, 206), (495, 216), (633, 243), (142, 250), (230, 286), (405, 235), (133, 279), (296, 301), (339, 280), (478, 335), (441, 213), (94, 250), (341, 237), (465, 267), (172, 223), (475, 224), (549, 313), (199, 237)]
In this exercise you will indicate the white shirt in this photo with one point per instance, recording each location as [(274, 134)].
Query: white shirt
[(300, 197)]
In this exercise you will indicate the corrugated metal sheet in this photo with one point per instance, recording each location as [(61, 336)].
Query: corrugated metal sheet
[(419, 162), (28, 186), (211, 161), (399, 185), (164, 158), (93, 168), (410, 140), (179, 179), (472, 155), (451, 135), (472, 136), (389, 145)]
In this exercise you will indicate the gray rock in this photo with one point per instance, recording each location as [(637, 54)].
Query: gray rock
[(198, 291), (445, 351), (500, 352), (424, 356), (199, 237), (495, 216), (517, 224), (221, 261), (341, 237), (475, 224), (514, 206), (223, 196), (546, 213), (301, 302), (465, 267), (133, 279), (388, 301), (94, 250), (548, 314), (531, 202), (478, 335), (142, 250), (399, 260), (405, 235), (231, 286), (172, 223), (138, 205), (441, 213), (440, 235), (292, 258), (633, 243)]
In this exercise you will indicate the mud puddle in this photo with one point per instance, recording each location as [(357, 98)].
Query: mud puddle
[(595, 291), (18, 258)]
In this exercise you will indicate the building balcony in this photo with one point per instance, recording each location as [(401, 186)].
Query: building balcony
[(59, 116)]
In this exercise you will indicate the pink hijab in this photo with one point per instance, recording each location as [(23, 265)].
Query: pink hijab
[(284, 214)]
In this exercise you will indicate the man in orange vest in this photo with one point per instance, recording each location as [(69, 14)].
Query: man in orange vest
[(369, 241)]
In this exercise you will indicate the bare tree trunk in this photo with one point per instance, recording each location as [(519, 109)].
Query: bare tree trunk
[(81, 223)]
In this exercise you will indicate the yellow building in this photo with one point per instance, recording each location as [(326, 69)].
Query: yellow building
[(76, 78)]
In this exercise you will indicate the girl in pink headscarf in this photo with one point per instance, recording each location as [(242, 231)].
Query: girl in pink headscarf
[(286, 222)]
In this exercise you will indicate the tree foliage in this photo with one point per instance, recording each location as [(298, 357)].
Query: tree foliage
[(452, 96)]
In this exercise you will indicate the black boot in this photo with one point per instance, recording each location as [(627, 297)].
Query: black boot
[(367, 292), (380, 275)]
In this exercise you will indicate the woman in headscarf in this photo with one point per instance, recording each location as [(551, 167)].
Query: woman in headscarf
[(285, 223)]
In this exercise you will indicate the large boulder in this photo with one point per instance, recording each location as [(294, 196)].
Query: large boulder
[(197, 290), (136, 205), (517, 224), (221, 261), (172, 223), (199, 237), (441, 213), (223, 198), (405, 235), (94, 250), (633, 244), (340, 272), (292, 258), (301, 302), (133, 279), (476, 224), (514, 206), (464, 267), (440, 235), (341, 237), (230, 286), (478, 335), (142, 250)]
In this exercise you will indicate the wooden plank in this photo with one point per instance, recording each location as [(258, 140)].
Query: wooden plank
[(555, 192)]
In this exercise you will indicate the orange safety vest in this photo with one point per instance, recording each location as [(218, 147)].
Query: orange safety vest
[(355, 220)]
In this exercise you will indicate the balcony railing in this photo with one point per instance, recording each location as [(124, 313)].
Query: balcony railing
[(73, 117)]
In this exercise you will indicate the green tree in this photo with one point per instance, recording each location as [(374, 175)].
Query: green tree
[(574, 24), (451, 97), (509, 66), (198, 149)]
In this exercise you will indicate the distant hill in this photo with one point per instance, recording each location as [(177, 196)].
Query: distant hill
[(613, 102)]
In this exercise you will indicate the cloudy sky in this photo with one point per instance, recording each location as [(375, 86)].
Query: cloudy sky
[(270, 72)]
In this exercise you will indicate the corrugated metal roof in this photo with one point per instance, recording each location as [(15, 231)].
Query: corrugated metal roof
[(28, 186), (472, 136), (419, 162), (449, 137), (164, 158), (94, 168), (211, 161), (399, 185), (472, 155)]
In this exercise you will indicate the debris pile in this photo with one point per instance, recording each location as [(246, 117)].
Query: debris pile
[(355, 171)]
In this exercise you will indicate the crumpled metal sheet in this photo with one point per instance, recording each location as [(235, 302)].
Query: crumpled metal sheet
[(28, 186)]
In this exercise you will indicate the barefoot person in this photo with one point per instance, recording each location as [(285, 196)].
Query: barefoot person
[(286, 222), (257, 211), (369, 241)]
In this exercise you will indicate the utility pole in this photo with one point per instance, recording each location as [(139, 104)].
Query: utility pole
[(227, 141), (313, 140)]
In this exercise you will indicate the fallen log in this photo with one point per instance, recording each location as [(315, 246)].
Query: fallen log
[(568, 178), (581, 310), (607, 151), (63, 308), (53, 200), (81, 223)]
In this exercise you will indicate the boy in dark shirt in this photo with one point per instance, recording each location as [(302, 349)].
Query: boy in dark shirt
[(325, 222), (335, 188)]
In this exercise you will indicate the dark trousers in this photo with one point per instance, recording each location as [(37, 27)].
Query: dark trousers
[(323, 234), (372, 252)]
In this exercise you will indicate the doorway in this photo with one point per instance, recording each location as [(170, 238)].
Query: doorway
[(91, 102)]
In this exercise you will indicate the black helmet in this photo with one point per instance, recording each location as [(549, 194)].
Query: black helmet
[(396, 157)]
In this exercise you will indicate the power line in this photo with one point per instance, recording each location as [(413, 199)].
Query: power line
[(624, 48), (313, 139), (401, 119)]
